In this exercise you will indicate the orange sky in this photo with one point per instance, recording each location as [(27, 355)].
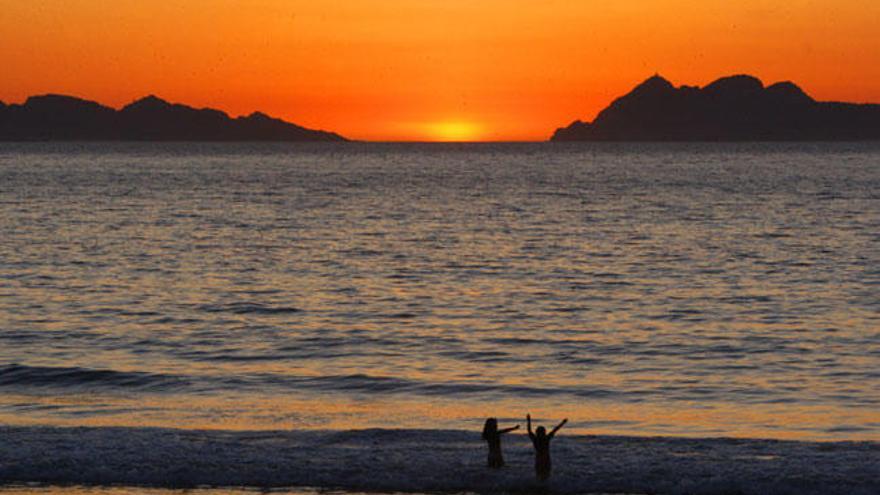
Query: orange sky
[(428, 69)]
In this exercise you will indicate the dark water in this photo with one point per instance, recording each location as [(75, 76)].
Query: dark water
[(386, 461), (696, 290)]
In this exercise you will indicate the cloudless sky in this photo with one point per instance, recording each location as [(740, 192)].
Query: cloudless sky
[(428, 69)]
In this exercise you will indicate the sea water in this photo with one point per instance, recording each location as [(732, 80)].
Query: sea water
[(387, 298)]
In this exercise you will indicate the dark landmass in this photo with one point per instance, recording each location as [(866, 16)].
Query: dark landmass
[(737, 108), (66, 118)]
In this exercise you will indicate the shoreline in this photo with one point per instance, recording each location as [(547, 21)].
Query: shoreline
[(426, 461)]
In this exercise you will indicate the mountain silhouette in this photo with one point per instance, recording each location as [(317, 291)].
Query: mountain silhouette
[(736, 108), (66, 118)]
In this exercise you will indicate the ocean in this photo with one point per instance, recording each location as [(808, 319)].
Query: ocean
[(346, 316)]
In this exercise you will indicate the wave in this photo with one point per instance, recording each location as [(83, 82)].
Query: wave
[(18, 376), (44, 376), (21, 376), (244, 308), (431, 461)]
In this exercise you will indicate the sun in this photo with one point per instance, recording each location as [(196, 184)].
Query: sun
[(451, 131)]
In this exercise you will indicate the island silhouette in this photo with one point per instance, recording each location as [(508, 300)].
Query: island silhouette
[(66, 118), (735, 108)]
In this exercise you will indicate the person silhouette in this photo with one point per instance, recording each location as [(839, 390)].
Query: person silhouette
[(541, 441), (492, 436)]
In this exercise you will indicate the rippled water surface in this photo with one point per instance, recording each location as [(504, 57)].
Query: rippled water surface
[(637, 289)]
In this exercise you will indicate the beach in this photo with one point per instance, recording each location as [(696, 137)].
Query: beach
[(346, 316)]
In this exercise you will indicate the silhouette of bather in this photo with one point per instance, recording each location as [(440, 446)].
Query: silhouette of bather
[(541, 441), (492, 436)]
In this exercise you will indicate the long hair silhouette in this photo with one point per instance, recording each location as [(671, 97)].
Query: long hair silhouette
[(492, 436)]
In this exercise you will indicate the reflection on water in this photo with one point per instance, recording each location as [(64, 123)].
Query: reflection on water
[(686, 290)]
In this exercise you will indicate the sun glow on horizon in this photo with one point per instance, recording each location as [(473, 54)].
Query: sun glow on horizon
[(453, 131)]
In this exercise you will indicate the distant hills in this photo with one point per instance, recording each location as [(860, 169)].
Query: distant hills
[(66, 118), (736, 108)]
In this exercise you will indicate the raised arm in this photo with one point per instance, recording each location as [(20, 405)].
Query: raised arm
[(529, 426), (560, 425), (508, 430)]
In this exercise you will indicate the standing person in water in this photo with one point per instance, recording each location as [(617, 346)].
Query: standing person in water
[(492, 436), (541, 441)]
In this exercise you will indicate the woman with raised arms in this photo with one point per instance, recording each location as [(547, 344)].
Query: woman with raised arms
[(541, 441)]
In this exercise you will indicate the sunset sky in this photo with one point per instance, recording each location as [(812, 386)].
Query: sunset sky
[(428, 69)]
